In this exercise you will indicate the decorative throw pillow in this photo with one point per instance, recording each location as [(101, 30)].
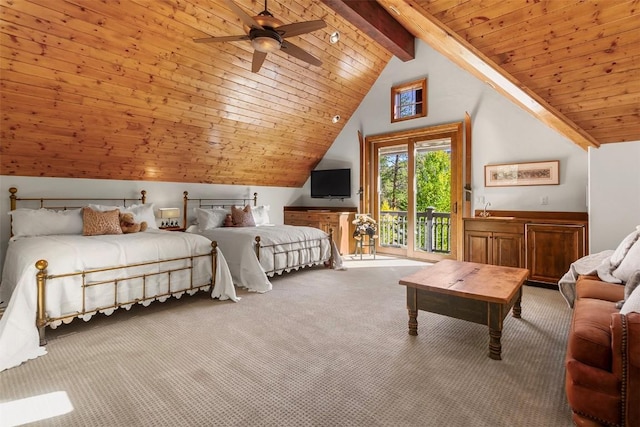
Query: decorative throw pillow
[(629, 264), (621, 251), (632, 284), (45, 222), (632, 303), (210, 218), (260, 214), (142, 212), (96, 223), (242, 217)]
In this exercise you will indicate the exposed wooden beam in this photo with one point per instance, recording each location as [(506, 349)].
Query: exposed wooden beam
[(428, 29), (375, 21)]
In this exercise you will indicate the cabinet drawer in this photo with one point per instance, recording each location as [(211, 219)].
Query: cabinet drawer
[(494, 225)]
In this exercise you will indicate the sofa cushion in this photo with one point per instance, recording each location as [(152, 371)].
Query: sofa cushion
[(590, 337), (587, 287)]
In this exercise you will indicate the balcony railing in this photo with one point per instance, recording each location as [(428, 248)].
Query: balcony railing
[(433, 230)]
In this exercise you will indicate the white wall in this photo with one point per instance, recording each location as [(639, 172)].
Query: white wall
[(502, 133), (614, 194)]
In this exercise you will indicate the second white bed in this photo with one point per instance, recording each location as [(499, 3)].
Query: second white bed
[(283, 248)]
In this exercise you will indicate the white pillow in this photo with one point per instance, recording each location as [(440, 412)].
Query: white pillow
[(210, 218), (624, 246), (260, 214), (632, 303), (45, 222), (629, 264), (141, 212)]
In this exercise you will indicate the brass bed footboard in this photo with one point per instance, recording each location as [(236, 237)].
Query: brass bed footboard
[(43, 280), (306, 246)]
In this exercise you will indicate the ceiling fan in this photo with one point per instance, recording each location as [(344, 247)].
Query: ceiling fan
[(267, 34)]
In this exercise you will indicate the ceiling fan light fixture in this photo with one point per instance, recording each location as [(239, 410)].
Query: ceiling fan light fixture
[(334, 37), (265, 41)]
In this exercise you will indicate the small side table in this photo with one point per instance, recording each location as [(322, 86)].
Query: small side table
[(370, 243), (176, 228)]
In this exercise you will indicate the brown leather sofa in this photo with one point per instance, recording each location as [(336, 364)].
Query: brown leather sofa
[(603, 357)]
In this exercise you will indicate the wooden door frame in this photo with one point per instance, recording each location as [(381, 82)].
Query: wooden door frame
[(451, 130)]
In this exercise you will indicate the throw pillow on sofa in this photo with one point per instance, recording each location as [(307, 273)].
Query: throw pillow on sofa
[(629, 264), (625, 245), (632, 304)]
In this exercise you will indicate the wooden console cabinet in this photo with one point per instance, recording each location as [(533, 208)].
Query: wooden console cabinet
[(340, 220), (546, 243), (495, 242)]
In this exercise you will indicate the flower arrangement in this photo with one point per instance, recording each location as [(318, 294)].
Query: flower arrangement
[(365, 226)]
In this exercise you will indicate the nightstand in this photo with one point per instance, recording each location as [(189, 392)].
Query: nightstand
[(173, 228)]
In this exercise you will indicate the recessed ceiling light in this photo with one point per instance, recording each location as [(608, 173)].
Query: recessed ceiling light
[(335, 119), (334, 37)]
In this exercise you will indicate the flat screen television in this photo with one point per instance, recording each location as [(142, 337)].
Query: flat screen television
[(331, 184)]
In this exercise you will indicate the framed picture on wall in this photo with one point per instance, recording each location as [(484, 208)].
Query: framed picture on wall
[(514, 174)]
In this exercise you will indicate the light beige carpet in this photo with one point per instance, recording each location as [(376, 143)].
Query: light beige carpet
[(324, 348)]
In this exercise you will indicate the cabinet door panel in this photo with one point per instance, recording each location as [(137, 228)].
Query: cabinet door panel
[(552, 248), (508, 250), (478, 247)]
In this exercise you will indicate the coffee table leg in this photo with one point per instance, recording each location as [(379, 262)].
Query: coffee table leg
[(495, 331), (517, 307), (413, 322)]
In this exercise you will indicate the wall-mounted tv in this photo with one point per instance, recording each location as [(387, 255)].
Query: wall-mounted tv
[(331, 184)]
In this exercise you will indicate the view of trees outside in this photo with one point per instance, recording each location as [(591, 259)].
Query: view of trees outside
[(433, 177), (393, 174)]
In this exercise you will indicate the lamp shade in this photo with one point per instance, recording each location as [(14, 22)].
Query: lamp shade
[(168, 213), (265, 41)]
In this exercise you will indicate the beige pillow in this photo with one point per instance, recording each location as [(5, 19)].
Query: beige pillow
[(242, 217), (95, 223)]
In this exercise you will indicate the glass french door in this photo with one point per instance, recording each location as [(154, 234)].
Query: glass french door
[(414, 196)]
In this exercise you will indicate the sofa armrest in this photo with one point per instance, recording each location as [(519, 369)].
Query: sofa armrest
[(625, 346), (593, 393)]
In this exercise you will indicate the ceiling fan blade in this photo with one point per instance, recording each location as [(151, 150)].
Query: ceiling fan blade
[(244, 16), (296, 52), (222, 39), (258, 60), (290, 30)]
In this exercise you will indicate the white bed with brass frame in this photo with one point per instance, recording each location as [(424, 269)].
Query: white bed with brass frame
[(52, 279), (256, 253)]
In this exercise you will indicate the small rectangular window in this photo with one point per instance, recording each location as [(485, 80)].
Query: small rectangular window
[(409, 100)]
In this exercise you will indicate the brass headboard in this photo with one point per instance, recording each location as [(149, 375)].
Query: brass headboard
[(44, 201), (54, 202), (215, 202)]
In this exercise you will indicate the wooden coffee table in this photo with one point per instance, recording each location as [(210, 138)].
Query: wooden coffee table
[(478, 293)]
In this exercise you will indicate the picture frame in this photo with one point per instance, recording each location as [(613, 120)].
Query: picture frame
[(517, 174)]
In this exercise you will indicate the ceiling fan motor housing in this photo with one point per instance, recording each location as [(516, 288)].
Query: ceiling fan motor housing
[(267, 40)]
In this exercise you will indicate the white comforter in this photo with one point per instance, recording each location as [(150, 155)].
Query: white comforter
[(238, 243), (19, 340)]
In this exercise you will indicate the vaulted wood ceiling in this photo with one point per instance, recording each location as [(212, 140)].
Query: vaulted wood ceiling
[(573, 64), (119, 90)]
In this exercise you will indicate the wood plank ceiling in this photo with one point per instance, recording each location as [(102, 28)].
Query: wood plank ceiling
[(119, 90), (580, 59)]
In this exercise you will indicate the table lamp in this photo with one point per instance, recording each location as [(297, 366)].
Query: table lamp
[(168, 216)]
